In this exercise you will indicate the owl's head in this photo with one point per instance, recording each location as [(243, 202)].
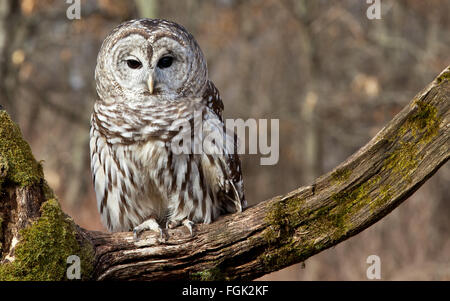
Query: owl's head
[(150, 59)]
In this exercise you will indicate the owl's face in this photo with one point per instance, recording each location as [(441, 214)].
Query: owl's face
[(143, 60)]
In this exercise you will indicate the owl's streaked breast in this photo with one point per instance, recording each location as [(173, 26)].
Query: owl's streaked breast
[(125, 188)]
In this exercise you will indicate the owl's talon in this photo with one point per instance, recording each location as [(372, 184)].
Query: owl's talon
[(150, 224), (189, 224), (163, 236), (172, 224), (186, 222)]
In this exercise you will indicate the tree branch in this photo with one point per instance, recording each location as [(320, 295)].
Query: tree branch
[(286, 229)]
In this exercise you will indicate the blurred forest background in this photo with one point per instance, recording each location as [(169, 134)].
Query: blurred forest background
[(333, 77)]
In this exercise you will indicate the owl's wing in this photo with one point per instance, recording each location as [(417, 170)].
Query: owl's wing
[(230, 162), (237, 182), (211, 99), (221, 156)]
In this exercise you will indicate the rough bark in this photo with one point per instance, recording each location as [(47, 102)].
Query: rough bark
[(275, 233)]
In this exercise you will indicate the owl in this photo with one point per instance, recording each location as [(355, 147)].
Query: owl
[(154, 95)]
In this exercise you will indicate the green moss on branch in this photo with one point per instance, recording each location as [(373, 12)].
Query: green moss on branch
[(17, 163), (213, 274), (45, 246), (443, 77), (341, 175)]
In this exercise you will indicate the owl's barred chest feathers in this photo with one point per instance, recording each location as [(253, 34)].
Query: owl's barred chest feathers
[(137, 175), (154, 93)]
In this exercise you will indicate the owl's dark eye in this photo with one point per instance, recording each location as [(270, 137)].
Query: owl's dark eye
[(134, 64), (165, 62)]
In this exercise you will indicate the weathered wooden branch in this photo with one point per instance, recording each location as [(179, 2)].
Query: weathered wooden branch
[(264, 238)]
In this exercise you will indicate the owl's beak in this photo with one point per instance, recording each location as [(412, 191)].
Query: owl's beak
[(150, 83)]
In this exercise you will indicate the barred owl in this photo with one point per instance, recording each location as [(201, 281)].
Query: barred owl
[(151, 80)]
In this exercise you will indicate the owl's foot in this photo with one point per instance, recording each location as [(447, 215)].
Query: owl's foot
[(189, 224), (150, 224), (186, 222)]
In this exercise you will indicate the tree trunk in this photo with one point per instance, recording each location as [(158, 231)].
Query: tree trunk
[(267, 237)]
